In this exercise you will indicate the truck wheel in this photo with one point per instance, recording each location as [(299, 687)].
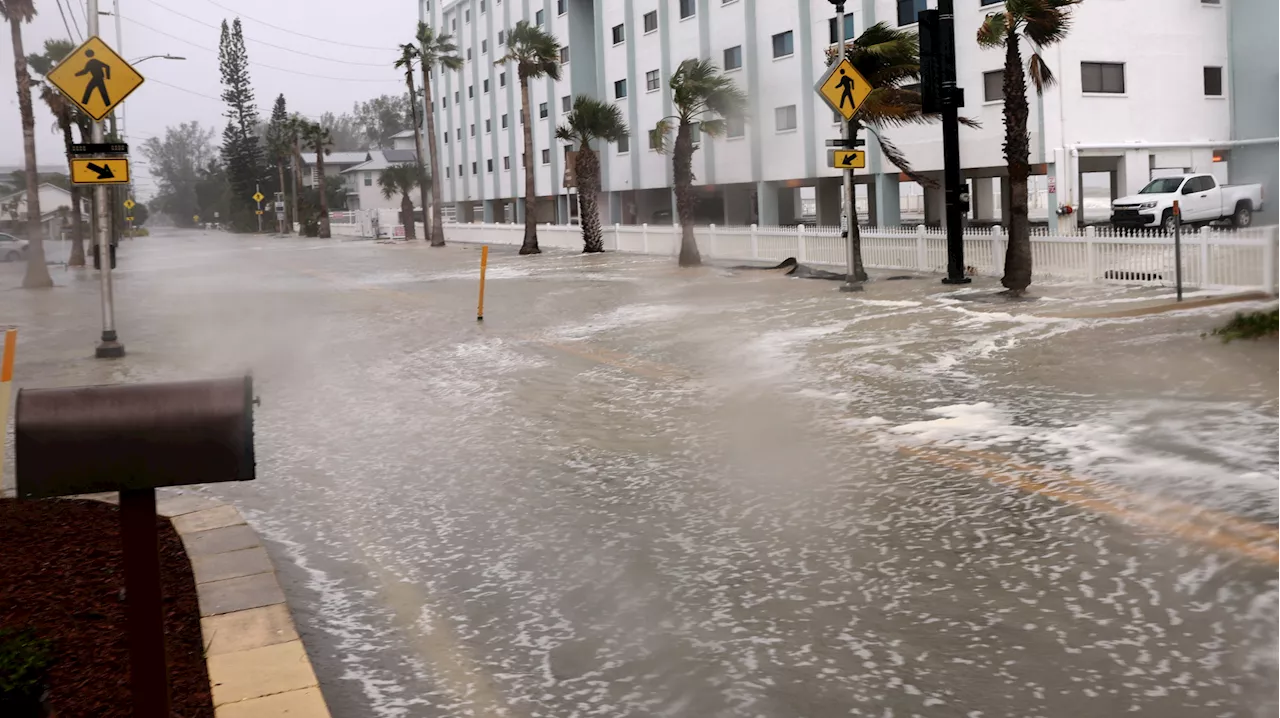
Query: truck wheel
[(1243, 216), (12, 257), (1168, 223)]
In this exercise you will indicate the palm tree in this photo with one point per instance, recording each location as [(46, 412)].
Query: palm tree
[(321, 140), (279, 143), (401, 179), (536, 54), (65, 114), (1042, 23), (889, 59), (591, 119), (409, 53), (701, 94), (18, 12), (293, 130), (433, 51)]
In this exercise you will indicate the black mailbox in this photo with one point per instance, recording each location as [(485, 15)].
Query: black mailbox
[(82, 440)]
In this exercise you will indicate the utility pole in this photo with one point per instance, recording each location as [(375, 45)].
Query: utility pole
[(851, 283), (110, 347), (940, 94)]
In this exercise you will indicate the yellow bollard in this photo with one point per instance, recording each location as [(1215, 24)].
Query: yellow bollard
[(6, 385), (484, 262)]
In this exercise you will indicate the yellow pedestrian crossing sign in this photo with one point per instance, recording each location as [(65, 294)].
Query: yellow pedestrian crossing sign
[(129, 204), (257, 197), (846, 159), (95, 78), (844, 88)]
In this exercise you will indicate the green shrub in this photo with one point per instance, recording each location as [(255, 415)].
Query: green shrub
[(311, 226), (1254, 325), (140, 232), (24, 661)]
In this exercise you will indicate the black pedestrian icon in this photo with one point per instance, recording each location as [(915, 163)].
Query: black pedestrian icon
[(99, 72), (846, 84)]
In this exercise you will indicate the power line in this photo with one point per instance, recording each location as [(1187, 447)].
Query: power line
[(209, 97), (64, 22), (256, 63), (293, 32), (269, 44)]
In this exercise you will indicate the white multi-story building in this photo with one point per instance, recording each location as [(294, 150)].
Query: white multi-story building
[(1145, 87)]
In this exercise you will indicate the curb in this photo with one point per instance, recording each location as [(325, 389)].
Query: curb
[(257, 665), (1167, 306)]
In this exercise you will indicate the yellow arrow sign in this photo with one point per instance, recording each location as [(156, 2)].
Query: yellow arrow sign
[(843, 88), (257, 197), (129, 204), (846, 159), (111, 170), (95, 78)]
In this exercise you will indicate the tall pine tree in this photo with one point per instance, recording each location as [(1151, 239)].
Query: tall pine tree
[(241, 149), (279, 152)]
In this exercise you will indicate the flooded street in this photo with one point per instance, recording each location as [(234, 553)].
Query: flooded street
[(640, 491)]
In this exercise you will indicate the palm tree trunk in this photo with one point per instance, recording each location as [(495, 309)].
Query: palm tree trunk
[(76, 259), (855, 231), (1017, 258), (297, 180), (436, 233), (406, 216), (682, 164), (530, 244), (324, 202), (37, 274), (409, 232), (587, 168), (284, 223)]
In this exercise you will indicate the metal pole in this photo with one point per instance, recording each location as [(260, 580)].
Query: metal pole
[(1177, 248), (144, 604), (110, 347), (257, 190), (851, 283), (953, 185)]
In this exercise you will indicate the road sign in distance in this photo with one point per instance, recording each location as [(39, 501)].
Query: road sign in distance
[(257, 197), (847, 159), (95, 78), (843, 88), (109, 170), (129, 203)]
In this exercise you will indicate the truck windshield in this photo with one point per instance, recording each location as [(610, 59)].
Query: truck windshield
[(1164, 185)]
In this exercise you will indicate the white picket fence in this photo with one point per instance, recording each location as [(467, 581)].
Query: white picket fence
[(1211, 258)]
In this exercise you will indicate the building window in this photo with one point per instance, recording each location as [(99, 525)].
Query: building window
[(448, 171), (459, 170), (444, 102), (486, 87), (651, 21), (502, 36), (566, 103), (651, 80), (1213, 81), (624, 144), (546, 157), (457, 96), (688, 8), (506, 163), (993, 86), (481, 5), (908, 10), (984, 3), (560, 7), (471, 92), (468, 54), (735, 126), (785, 117), (783, 44), (619, 34), (454, 24), (1210, 2), (502, 79), (538, 17), (504, 122), (484, 46), (368, 179), (473, 129), (488, 165), (459, 134), (474, 170), (467, 17), (488, 126), (564, 54), (620, 89), (1102, 77), (834, 31), (733, 57), (446, 137)]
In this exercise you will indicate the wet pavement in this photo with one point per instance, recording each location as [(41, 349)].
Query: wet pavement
[(640, 491)]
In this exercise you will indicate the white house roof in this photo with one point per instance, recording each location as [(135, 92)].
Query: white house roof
[(382, 159), (337, 158), (402, 134)]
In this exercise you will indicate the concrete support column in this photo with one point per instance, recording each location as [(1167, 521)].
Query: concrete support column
[(888, 211), (935, 210), (827, 194), (519, 209), (766, 204), (788, 204), (1054, 186), (489, 213), (562, 209), (982, 199), (737, 205), (1134, 172), (1006, 199)]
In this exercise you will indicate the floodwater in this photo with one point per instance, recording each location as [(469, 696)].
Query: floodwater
[(639, 491)]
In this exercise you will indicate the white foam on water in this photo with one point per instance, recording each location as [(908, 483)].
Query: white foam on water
[(623, 316)]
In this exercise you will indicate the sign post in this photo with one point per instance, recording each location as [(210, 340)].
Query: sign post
[(845, 89), (1177, 248), (258, 197), (939, 94), (96, 79)]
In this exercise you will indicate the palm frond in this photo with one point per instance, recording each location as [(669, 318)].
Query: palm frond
[(994, 29), (1044, 21), (534, 51), (660, 136), (899, 160), (1041, 75)]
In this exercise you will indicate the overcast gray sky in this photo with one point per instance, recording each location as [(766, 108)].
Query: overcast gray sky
[(177, 92)]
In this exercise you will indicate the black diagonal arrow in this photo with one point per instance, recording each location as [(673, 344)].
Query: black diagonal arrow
[(104, 172), (848, 159)]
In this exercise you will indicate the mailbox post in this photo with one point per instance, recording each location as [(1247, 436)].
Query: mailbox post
[(133, 439)]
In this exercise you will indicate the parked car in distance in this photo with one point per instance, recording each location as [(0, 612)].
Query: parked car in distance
[(1200, 198), (11, 248)]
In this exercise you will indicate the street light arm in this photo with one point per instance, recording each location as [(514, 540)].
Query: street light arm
[(152, 57)]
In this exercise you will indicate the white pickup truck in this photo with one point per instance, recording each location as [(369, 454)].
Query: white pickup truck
[(1201, 200)]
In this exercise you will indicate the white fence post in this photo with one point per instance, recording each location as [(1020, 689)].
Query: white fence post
[(713, 240), (1091, 253), (644, 237), (1206, 277), (800, 253), (922, 249), (997, 248), (755, 242), (1269, 258)]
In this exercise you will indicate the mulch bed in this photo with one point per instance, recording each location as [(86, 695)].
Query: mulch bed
[(61, 576)]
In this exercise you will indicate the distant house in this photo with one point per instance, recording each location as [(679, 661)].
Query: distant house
[(55, 202), (361, 180), (334, 164)]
